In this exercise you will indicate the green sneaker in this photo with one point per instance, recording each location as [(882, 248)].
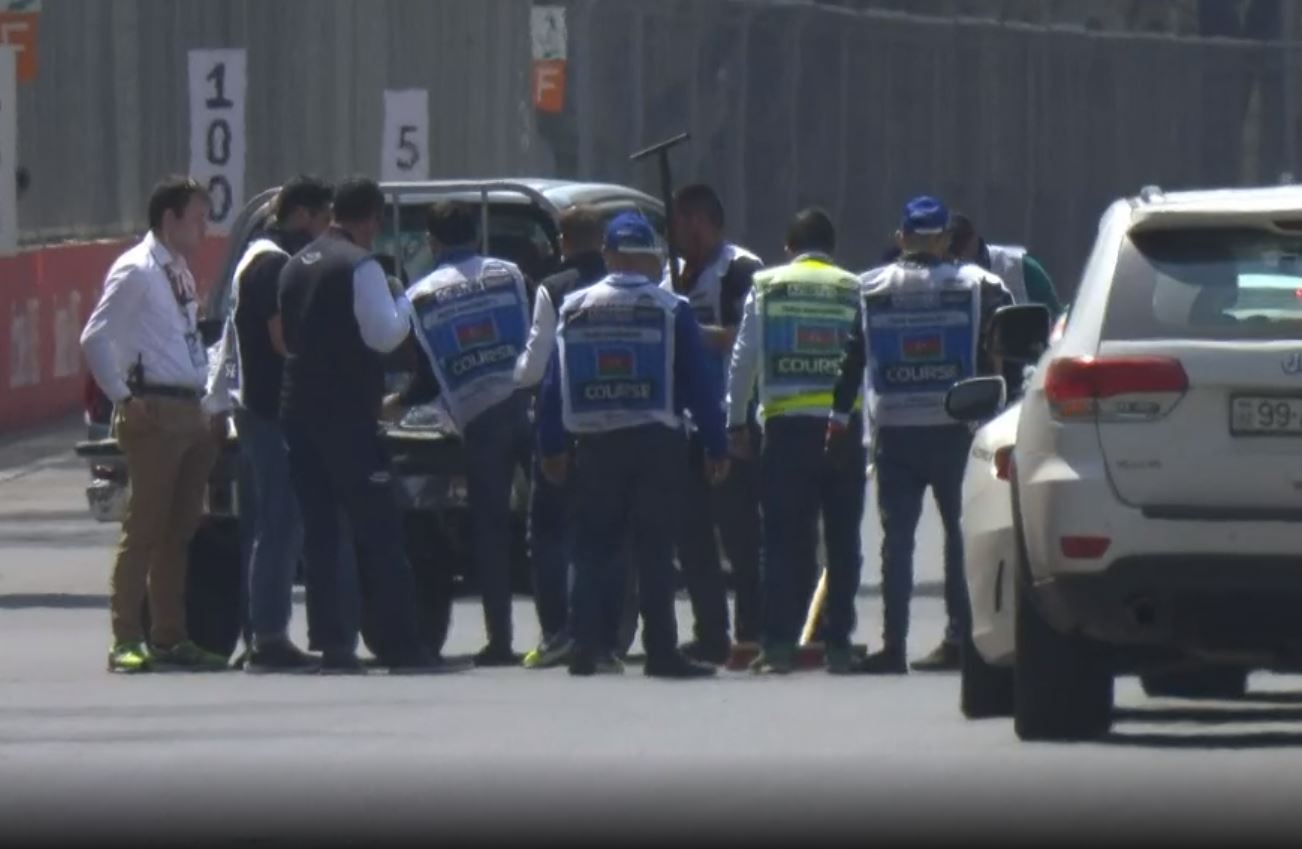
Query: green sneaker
[(129, 657), (775, 660), (839, 660), (186, 655), (549, 654)]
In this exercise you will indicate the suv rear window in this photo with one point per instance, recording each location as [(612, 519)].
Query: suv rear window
[(519, 233), (1207, 283)]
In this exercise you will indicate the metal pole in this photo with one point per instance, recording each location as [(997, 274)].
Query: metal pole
[(661, 151)]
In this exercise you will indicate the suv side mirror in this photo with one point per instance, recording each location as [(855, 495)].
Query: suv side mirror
[(1021, 332), (210, 330), (976, 399)]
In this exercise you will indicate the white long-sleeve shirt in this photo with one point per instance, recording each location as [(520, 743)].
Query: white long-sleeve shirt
[(745, 363), (139, 319), (384, 320), (538, 348)]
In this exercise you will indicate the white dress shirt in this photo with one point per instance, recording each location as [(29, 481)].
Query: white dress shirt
[(384, 321), (745, 363), (532, 364), (140, 319)]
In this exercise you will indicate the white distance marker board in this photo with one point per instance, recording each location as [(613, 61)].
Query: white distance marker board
[(404, 144), (218, 84)]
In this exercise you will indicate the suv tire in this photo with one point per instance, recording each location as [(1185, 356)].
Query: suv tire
[(213, 591), (985, 690), (1062, 683)]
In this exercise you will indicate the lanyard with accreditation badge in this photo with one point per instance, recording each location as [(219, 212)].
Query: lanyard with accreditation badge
[(185, 301)]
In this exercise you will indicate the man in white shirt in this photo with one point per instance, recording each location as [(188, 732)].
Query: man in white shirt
[(339, 318), (550, 526), (144, 349)]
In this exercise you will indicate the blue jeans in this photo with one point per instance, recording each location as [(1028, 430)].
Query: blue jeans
[(624, 483), (498, 442), (908, 461), (799, 484), (275, 537)]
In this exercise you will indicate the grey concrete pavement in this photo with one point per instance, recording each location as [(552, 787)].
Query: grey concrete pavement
[(508, 751)]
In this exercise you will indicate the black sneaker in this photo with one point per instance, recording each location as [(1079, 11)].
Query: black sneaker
[(712, 651), (341, 663), (885, 662), (280, 656), (947, 657), (678, 666), (424, 663), (583, 663), (498, 655)]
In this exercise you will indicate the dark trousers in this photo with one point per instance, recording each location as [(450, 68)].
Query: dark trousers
[(908, 461), (551, 558), (624, 483), (338, 468), (551, 546), (799, 483), (498, 442), (732, 508)]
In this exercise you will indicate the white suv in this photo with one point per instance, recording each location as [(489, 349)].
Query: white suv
[(1157, 470)]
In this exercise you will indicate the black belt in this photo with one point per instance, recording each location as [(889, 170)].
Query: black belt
[(182, 392)]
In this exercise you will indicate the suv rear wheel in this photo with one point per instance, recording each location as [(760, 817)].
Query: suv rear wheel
[(1062, 683), (985, 690)]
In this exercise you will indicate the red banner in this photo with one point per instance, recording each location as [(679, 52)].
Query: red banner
[(46, 295)]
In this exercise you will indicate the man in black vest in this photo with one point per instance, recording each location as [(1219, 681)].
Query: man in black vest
[(340, 317)]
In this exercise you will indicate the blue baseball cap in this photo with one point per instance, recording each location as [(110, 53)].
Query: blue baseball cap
[(924, 216), (631, 233)]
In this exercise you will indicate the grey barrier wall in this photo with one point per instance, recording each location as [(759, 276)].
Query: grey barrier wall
[(108, 113), (1030, 128)]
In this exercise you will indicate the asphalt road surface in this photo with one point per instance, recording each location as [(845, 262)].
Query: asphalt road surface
[(494, 752)]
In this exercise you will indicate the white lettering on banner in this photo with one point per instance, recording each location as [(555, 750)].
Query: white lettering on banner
[(217, 92), (404, 144), (476, 359), (67, 337), (922, 374), (617, 391), (24, 343), (8, 150), (819, 366)]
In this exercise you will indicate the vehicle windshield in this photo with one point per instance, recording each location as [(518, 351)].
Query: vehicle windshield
[(1208, 283)]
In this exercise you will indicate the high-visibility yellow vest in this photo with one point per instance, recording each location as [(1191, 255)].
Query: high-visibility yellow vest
[(805, 310)]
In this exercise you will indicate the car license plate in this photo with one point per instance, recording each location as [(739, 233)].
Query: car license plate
[(1265, 415)]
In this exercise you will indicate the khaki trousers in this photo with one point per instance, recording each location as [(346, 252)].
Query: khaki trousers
[(170, 452)]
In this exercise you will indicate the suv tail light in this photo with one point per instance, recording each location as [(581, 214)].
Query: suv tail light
[(1114, 388), (1084, 548)]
